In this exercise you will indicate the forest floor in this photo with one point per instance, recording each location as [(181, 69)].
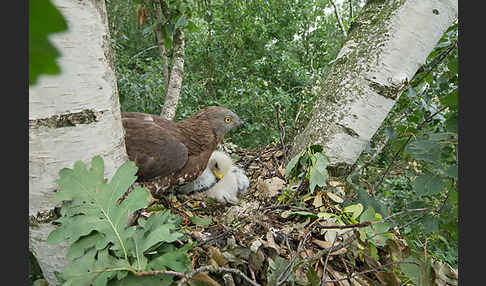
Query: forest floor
[(273, 239)]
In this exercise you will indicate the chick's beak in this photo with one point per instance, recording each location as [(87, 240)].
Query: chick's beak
[(218, 175)]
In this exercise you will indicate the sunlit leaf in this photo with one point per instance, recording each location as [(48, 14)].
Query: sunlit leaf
[(335, 197), (292, 164), (355, 210)]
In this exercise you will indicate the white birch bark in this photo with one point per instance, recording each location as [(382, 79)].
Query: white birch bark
[(86, 94), (175, 78), (386, 45)]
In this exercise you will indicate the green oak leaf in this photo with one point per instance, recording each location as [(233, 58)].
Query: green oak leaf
[(94, 201)]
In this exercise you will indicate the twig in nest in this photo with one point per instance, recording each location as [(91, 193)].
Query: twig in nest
[(325, 263), (287, 271), (210, 268), (353, 276), (227, 232), (347, 269), (281, 130), (362, 224), (248, 162), (323, 252)]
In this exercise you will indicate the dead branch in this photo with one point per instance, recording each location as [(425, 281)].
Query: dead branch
[(362, 224), (355, 275), (325, 263), (338, 17), (160, 14), (210, 268), (281, 130), (286, 272)]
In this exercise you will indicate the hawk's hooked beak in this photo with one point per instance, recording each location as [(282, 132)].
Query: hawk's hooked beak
[(218, 175)]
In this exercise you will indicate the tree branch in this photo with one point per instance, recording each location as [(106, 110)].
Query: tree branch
[(175, 79), (354, 276), (286, 272), (187, 277), (338, 17), (325, 263), (281, 130)]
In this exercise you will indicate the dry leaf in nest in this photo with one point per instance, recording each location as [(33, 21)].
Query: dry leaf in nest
[(388, 278), (444, 274), (256, 260), (337, 184), (281, 170), (204, 277), (334, 197), (216, 256), (317, 203), (306, 252), (326, 245), (336, 275), (270, 242), (272, 187), (397, 248), (279, 153)]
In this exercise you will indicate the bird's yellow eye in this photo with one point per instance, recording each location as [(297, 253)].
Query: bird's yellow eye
[(227, 119)]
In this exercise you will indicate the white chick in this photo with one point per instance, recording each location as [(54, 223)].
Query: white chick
[(222, 180)]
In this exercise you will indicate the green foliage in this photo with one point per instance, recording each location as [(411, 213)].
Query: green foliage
[(247, 55), (425, 174), (42, 54), (412, 269), (103, 250), (310, 164), (242, 55), (377, 233)]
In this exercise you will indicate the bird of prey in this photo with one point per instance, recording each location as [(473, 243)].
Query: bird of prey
[(171, 153), (221, 180)]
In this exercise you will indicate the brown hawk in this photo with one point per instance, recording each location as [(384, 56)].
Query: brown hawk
[(174, 153)]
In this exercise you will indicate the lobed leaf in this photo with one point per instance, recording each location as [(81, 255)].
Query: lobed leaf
[(93, 203)]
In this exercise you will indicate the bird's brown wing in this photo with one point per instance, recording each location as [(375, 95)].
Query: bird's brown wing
[(153, 148)]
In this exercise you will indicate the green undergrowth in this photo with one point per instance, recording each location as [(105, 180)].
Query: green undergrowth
[(390, 229), (104, 251)]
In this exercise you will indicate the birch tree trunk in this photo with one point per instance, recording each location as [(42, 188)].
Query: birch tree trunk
[(175, 78), (386, 45), (72, 116)]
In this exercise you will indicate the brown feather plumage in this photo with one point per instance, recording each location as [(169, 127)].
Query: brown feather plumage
[(174, 153)]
